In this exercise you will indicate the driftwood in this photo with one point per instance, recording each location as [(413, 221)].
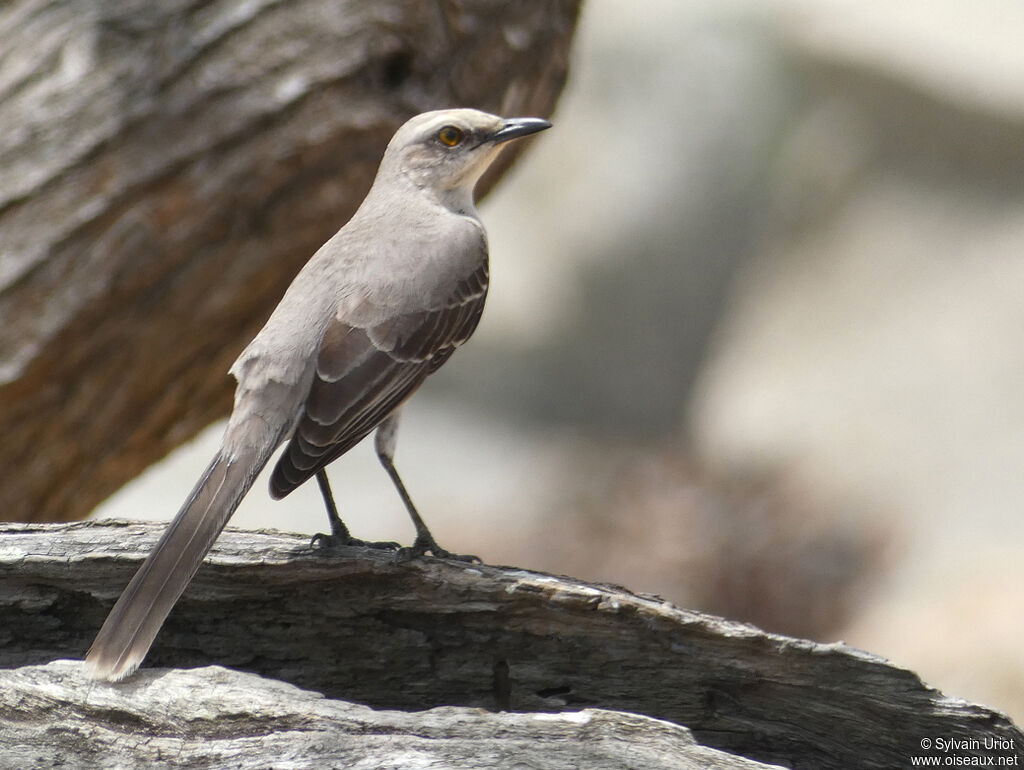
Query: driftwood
[(165, 170), (356, 625)]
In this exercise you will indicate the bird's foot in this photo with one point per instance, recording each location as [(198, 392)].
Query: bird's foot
[(340, 537), (330, 542), (425, 543)]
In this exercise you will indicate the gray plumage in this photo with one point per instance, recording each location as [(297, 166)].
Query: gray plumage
[(377, 309)]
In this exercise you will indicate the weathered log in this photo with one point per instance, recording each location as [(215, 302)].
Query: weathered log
[(166, 168), (355, 624), (214, 717)]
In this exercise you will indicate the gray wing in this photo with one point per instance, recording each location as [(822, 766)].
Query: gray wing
[(365, 373)]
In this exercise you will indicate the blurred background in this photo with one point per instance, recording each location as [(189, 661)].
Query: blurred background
[(754, 337)]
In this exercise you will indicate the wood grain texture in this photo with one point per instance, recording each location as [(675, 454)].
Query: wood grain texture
[(428, 633), (215, 717), (165, 170)]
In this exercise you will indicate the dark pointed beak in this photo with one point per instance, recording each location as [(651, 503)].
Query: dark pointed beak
[(513, 128)]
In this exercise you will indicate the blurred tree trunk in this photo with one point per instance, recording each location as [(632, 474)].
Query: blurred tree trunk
[(165, 170)]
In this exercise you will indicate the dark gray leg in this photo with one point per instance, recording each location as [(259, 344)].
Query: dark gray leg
[(340, 536), (384, 441)]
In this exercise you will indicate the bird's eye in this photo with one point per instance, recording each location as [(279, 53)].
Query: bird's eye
[(450, 136)]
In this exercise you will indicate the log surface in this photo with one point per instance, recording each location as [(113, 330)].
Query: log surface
[(215, 717), (356, 625)]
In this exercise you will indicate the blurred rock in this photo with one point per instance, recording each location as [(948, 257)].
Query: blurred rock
[(875, 341), (755, 548)]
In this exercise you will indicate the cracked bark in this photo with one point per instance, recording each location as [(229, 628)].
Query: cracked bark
[(165, 170), (427, 634)]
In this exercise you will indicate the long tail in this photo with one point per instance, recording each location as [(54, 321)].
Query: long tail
[(139, 613)]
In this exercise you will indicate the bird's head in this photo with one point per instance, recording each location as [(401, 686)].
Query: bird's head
[(446, 151)]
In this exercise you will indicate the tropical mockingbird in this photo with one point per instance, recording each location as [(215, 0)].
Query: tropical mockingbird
[(375, 311)]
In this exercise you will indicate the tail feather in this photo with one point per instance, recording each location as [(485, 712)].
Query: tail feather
[(136, 618)]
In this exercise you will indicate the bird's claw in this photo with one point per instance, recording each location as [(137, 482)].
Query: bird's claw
[(324, 541), (424, 545)]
